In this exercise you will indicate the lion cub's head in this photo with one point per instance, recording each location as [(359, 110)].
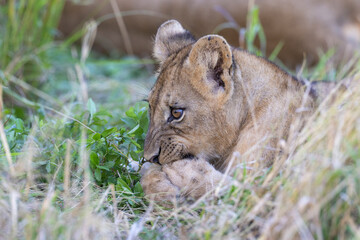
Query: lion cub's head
[(189, 104)]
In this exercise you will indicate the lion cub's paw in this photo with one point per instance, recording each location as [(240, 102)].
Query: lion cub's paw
[(193, 177), (183, 178), (156, 184), (188, 178)]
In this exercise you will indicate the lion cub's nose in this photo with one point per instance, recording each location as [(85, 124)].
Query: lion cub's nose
[(155, 159)]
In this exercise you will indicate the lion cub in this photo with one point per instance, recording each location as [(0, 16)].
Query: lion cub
[(209, 101)]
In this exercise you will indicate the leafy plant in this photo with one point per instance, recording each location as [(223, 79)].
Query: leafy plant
[(16, 132), (116, 152)]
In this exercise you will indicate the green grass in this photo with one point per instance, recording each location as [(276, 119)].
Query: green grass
[(74, 125), (29, 30)]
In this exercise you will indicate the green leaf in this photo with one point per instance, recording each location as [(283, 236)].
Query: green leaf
[(18, 130), (109, 164), (144, 121), (97, 136), (129, 122), (41, 123), (98, 121), (91, 107), (111, 179), (134, 156), (135, 143), (122, 185), (94, 159), (134, 129), (131, 113), (138, 188), (98, 174), (19, 124), (108, 132), (103, 113), (48, 167), (103, 167)]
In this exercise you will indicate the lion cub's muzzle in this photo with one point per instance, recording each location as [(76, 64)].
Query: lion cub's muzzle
[(164, 150), (153, 157)]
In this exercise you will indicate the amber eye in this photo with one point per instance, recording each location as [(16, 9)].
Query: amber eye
[(177, 113)]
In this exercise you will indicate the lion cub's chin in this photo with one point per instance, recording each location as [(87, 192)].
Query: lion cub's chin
[(188, 178)]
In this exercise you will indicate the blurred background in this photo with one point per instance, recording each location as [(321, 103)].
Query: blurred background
[(296, 30)]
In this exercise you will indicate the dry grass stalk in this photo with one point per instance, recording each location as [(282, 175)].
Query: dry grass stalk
[(122, 27), (3, 137)]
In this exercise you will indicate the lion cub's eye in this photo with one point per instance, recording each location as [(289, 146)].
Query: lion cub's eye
[(176, 114)]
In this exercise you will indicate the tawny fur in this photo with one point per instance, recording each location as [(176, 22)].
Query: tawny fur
[(303, 26), (233, 101), (184, 178)]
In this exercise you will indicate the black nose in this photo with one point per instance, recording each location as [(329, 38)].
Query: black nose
[(155, 159)]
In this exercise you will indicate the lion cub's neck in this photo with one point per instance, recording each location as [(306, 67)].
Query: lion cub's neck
[(262, 80), (272, 99)]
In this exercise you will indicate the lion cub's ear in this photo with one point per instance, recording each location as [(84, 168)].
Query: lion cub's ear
[(170, 38), (211, 61)]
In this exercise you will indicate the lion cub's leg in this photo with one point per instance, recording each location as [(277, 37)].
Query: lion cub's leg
[(190, 178)]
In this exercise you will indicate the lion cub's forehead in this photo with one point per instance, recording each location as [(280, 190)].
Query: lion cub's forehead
[(172, 78), (167, 90)]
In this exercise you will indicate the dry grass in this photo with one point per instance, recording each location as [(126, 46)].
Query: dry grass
[(314, 195)]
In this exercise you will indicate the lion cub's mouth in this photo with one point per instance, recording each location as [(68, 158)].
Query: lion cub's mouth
[(188, 156), (155, 159)]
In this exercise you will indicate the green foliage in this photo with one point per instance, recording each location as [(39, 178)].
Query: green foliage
[(320, 71), (114, 140), (254, 29), (116, 152), (16, 132), (30, 25)]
